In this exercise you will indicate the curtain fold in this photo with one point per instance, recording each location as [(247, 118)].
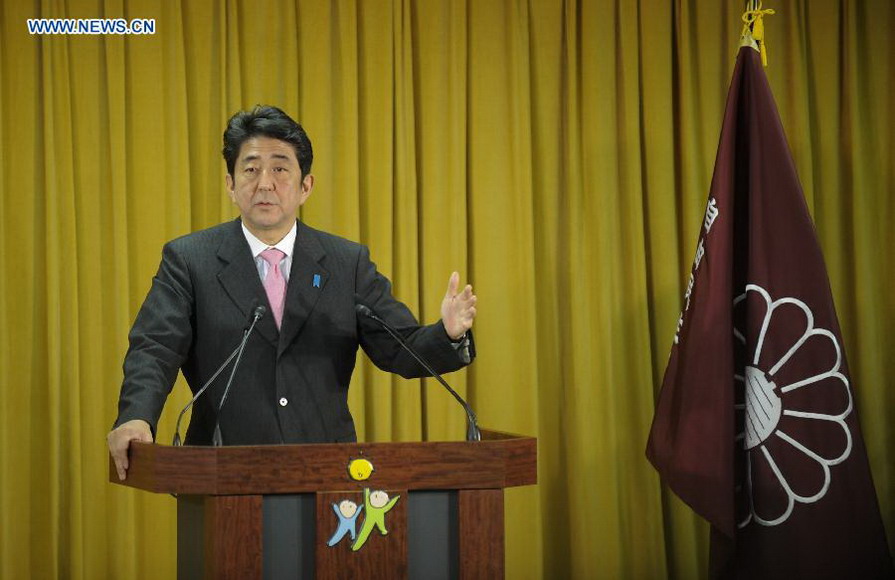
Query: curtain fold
[(557, 153)]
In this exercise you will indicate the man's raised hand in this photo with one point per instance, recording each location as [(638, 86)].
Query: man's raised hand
[(457, 308)]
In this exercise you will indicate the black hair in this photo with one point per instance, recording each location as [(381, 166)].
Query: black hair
[(266, 121)]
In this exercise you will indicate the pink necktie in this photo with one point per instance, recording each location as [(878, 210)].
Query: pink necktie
[(274, 283)]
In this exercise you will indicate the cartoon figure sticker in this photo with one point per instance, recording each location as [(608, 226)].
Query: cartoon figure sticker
[(377, 505), (347, 512), (360, 469)]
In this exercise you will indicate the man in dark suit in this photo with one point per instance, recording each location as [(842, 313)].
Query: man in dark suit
[(292, 382)]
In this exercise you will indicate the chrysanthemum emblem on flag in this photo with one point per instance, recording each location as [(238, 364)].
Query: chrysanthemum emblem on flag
[(792, 403)]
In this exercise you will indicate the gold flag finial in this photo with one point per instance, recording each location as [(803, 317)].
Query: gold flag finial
[(753, 28)]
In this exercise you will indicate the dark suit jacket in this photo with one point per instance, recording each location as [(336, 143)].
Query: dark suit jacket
[(292, 384)]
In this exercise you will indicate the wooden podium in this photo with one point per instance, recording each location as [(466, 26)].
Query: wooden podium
[(271, 511)]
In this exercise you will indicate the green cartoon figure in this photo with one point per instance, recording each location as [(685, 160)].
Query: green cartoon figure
[(376, 504)]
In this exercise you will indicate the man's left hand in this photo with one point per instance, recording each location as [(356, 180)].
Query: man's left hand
[(457, 308)]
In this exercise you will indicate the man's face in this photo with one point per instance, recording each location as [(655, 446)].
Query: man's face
[(267, 186)]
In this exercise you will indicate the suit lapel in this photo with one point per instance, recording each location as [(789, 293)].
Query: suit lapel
[(239, 277), (307, 279)]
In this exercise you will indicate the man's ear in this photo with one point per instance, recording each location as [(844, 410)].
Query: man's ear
[(307, 184), (230, 192)]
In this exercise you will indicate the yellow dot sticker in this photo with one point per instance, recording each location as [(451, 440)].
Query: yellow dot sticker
[(360, 469)]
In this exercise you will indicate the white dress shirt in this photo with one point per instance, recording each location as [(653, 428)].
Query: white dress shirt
[(286, 245)]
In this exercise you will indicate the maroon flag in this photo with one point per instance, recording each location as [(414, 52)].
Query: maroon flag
[(756, 425)]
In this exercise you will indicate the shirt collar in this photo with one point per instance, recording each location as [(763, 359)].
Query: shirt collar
[(286, 245)]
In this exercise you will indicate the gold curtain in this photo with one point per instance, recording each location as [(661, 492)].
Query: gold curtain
[(557, 153)]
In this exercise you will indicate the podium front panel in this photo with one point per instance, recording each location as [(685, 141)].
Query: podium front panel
[(423, 539), (289, 536)]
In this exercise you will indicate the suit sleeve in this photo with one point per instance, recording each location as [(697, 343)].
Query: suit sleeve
[(431, 342), (160, 341)]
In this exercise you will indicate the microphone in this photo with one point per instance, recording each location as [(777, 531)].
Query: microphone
[(472, 427), (257, 313)]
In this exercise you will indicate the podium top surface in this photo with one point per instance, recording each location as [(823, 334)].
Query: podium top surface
[(499, 460)]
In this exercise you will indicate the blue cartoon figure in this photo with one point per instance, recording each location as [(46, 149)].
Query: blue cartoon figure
[(377, 504), (347, 512)]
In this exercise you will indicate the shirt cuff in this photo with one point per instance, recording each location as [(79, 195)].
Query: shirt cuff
[(462, 347)]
